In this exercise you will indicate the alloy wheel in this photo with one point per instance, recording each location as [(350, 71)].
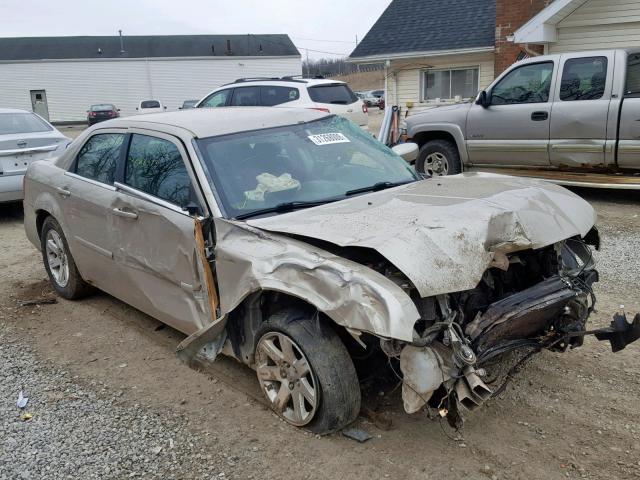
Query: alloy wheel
[(57, 258)]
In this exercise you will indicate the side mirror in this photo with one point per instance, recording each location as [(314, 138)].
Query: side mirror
[(483, 99), (408, 151)]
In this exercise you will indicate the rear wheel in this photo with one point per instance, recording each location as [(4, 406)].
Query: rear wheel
[(306, 373), (438, 157), (59, 263)]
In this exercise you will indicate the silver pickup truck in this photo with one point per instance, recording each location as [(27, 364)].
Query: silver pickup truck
[(572, 118)]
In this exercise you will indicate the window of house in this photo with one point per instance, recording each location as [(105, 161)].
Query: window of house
[(583, 79), (98, 157), (526, 84), (451, 83), (155, 166)]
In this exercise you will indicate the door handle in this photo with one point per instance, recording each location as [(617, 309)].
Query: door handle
[(539, 116), (63, 192), (123, 213)]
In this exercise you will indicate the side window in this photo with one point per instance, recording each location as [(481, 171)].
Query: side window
[(526, 84), (273, 95), (155, 166), (246, 97), (632, 89), (583, 79), (98, 157), (218, 99)]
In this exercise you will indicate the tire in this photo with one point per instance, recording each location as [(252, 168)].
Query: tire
[(63, 273), (331, 373), (438, 157)]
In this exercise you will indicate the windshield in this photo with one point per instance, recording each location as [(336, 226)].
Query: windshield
[(150, 104), (11, 123), (317, 161), (102, 107), (334, 93)]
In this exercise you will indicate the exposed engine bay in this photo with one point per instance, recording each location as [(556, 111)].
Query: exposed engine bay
[(469, 343)]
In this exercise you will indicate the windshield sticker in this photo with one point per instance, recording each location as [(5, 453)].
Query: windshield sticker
[(328, 138)]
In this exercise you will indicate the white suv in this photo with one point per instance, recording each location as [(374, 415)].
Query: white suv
[(330, 96)]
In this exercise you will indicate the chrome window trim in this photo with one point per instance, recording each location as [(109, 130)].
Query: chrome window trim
[(119, 187)]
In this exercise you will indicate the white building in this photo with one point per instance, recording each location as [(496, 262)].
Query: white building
[(60, 77)]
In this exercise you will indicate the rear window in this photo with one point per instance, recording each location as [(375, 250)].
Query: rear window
[(11, 123), (273, 95), (150, 104), (335, 93), (102, 107)]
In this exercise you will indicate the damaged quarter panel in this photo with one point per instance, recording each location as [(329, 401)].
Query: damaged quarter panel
[(444, 233), (354, 296)]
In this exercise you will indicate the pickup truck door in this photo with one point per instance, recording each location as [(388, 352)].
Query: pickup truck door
[(629, 136), (581, 109), (514, 128)]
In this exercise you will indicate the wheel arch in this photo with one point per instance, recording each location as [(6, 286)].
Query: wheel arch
[(449, 132)]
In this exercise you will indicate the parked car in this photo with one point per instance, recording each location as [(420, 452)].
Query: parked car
[(544, 116), (329, 96), (150, 106), (370, 100), (188, 104), (24, 138), (100, 112), (293, 241)]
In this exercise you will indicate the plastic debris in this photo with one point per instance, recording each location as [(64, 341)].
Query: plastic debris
[(26, 416), (356, 434), (22, 400)]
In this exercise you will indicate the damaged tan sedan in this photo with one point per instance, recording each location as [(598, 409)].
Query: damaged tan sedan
[(296, 243)]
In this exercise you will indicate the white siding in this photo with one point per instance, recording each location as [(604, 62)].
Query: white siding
[(409, 72), (71, 86), (599, 24)]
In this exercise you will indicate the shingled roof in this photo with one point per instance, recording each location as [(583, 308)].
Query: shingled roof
[(145, 46), (430, 25)]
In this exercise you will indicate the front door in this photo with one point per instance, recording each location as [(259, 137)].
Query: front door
[(39, 103), (156, 250), (86, 195), (580, 111), (514, 128)]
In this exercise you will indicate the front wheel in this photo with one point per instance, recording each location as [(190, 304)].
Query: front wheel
[(438, 157), (306, 373)]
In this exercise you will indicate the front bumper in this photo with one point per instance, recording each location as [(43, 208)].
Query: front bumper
[(11, 187)]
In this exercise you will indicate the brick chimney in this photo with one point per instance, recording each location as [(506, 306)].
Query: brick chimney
[(511, 15)]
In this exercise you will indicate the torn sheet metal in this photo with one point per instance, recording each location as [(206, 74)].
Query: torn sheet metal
[(354, 296), (442, 241)]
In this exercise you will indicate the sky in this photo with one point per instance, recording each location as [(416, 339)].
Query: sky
[(327, 28)]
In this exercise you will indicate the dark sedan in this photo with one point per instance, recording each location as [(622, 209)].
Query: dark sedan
[(100, 112)]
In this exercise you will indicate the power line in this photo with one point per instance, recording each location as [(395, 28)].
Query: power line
[(321, 51), (328, 41)]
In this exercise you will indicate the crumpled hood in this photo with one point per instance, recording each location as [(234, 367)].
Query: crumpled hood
[(443, 233)]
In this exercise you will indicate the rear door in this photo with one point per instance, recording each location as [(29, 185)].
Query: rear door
[(153, 231), (514, 128), (580, 110), (86, 197), (339, 99)]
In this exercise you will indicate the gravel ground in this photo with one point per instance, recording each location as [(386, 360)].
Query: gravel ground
[(84, 431)]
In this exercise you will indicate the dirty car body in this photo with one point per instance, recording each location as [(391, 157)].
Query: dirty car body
[(294, 242)]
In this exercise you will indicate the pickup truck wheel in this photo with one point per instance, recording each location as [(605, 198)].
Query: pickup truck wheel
[(438, 157), (306, 373), (59, 263)]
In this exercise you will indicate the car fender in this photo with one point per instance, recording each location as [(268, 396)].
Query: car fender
[(249, 259), (451, 128)]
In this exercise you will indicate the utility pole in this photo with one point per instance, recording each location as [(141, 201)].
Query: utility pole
[(307, 62)]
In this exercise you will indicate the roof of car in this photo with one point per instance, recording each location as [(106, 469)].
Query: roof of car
[(310, 82), (13, 110), (210, 122), (145, 46)]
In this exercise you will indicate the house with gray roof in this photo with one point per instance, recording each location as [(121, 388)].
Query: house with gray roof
[(444, 51), (62, 76)]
